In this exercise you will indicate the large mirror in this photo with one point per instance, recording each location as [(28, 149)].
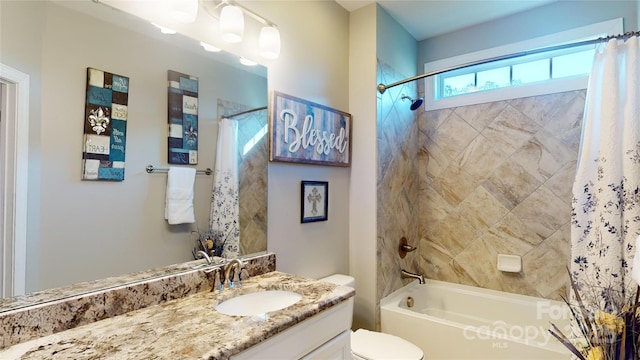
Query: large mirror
[(84, 230)]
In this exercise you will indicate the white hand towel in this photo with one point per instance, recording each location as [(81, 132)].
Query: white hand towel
[(635, 269), (179, 199)]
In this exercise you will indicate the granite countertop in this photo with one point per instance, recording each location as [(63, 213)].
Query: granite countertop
[(186, 328)]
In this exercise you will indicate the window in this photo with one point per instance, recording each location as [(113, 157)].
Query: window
[(530, 75), (515, 72)]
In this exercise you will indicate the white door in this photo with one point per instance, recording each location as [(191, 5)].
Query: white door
[(14, 148)]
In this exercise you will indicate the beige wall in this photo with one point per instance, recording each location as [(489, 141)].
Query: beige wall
[(313, 65), (362, 201), (383, 186)]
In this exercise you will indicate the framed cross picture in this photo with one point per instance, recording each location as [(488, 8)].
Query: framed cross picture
[(314, 199)]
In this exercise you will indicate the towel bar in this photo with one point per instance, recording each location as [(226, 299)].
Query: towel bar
[(150, 169)]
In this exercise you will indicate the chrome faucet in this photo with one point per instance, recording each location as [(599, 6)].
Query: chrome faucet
[(407, 274), (228, 277), (201, 254)]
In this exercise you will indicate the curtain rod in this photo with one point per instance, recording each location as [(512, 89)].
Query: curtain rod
[(382, 87), (245, 112)]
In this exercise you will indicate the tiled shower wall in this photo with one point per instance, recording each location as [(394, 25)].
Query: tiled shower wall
[(468, 183), (496, 178), (253, 182), (397, 177), (252, 169)]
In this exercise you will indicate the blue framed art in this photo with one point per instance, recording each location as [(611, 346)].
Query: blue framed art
[(105, 126), (183, 119)]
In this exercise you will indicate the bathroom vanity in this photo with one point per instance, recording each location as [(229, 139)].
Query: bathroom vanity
[(316, 326)]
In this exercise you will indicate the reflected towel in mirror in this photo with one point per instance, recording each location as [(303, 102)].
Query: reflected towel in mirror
[(179, 198)]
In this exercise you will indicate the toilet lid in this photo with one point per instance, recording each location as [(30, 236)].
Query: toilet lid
[(374, 345)]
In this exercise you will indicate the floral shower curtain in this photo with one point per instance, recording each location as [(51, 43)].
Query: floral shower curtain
[(225, 213), (606, 194)]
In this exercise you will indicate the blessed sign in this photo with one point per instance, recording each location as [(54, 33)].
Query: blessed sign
[(307, 132)]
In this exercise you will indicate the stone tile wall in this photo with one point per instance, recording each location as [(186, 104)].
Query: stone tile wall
[(468, 183), (252, 169), (253, 183), (496, 178), (397, 182)]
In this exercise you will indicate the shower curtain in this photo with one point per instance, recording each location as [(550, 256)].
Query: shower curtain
[(606, 194), (225, 213)]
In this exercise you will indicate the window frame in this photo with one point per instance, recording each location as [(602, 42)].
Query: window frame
[(610, 27)]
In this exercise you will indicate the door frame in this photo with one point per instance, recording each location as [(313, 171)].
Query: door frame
[(14, 188)]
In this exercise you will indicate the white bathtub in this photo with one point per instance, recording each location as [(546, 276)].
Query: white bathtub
[(451, 321)]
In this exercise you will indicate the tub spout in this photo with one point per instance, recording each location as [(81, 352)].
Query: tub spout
[(407, 274)]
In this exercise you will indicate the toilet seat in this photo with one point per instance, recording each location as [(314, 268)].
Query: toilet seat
[(371, 345)]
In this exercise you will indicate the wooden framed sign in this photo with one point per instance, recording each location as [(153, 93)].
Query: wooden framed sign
[(306, 132)]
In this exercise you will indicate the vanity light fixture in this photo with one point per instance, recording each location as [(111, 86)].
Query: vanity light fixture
[(164, 30), (184, 11), (269, 42), (209, 47), (231, 24)]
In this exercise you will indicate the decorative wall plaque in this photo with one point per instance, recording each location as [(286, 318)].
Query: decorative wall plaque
[(307, 132), (105, 126), (183, 119)]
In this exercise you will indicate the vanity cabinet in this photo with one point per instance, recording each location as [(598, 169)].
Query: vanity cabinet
[(326, 335)]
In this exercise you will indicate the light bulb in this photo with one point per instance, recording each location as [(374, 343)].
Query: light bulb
[(184, 11), (231, 24), (269, 42)]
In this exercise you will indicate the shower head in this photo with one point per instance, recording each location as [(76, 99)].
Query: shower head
[(415, 103)]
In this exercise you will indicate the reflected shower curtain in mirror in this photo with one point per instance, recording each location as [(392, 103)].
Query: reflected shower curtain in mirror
[(606, 195), (225, 213)]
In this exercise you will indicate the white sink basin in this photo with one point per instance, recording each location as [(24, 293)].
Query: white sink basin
[(258, 303)]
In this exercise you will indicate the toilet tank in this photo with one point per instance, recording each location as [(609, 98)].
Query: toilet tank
[(340, 279)]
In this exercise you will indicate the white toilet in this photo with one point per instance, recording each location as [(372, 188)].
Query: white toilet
[(372, 345)]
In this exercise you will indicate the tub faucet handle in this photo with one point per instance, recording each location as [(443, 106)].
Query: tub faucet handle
[(405, 248)]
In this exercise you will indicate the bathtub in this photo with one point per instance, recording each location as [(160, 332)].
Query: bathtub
[(451, 321)]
